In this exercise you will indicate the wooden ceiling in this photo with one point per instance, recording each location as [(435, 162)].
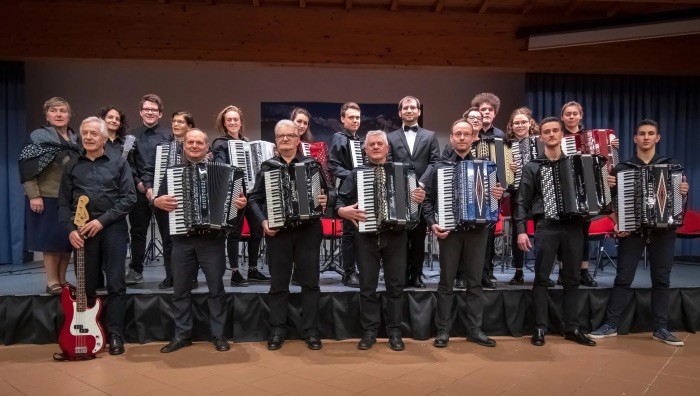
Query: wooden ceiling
[(480, 34)]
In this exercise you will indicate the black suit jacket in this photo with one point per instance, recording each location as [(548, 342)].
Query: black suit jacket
[(425, 149)]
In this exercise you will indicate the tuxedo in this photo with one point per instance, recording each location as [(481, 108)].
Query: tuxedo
[(425, 151)]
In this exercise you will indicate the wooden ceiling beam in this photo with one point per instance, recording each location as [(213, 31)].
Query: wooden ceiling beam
[(484, 5), (439, 5)]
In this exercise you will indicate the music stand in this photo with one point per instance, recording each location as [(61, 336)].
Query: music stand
[(331, 263), (155, 246)]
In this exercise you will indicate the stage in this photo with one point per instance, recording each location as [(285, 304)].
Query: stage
[(27, 315)]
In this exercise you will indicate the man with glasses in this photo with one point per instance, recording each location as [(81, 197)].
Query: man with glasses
[(458, 248), (148, 136), (298, 243), (418, 147)]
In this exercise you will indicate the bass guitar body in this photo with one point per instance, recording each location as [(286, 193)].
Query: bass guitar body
[(81, 335)]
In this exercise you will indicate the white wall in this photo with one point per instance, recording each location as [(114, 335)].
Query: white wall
[(203, 88)]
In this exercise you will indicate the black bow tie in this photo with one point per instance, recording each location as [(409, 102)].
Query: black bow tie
[(407, 128)]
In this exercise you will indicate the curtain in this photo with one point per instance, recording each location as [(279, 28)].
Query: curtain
[(619, 102), (12, 132)]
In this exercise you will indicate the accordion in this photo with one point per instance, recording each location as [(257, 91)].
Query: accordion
[(599, 142), (499, 152), (575, 185), (249, 156), (649, 197), (384, 193), (318, 151), (356, 152), (464, 195), (524, 151), (292, 193), (167, 155), (205, 193)]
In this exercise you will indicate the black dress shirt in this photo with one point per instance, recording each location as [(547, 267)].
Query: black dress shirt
[(339, 155), (147, 139), (429, 180), (107, 181), (257, 202), (492, 132), (529, 200)]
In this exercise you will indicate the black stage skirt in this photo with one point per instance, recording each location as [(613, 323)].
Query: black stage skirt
[(44, 232)]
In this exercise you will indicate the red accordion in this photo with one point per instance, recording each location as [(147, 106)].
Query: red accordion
[(592, 141), (319, 152)]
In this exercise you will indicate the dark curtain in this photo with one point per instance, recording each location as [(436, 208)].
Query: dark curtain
[(618, 102), (12, 129)]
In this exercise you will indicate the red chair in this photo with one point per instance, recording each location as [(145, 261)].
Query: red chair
[(332, 231), (691, 225), (601, 229)]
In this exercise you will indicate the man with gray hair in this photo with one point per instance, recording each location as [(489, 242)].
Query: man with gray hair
[(109, 185), (387, 246)]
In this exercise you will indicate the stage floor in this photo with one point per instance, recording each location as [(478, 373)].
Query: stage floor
[(29, 279)]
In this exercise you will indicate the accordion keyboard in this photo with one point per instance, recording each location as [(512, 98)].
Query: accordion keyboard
[(365, 200)]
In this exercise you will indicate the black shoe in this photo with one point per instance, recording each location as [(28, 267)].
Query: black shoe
[(369, 338), (587, 279), (220, 344), (195, 283), (314, 342), (461, 284), (480, 338), (256, 276), (166, 283), (441, 339), (396, 343), (518, 278), (237, 279), (538, 337), (351, 279), (550, 283), (416, 283), (275, 342), (175, 344), (486, 283), (578, 337), (116, 344)]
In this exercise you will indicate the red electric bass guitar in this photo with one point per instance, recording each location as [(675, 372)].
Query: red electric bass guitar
[(82, 336)]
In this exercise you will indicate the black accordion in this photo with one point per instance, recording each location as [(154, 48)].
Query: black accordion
[(384, 193), (649, 197), (499, 152), (205, 193), (167, 155), (292, 193), (464, 195), (575, 186), (249, 156), (524, 151)]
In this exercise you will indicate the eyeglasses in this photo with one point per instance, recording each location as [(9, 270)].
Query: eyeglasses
[(289, 136), (518, 123), (150, 110), (472, 118), (462, 135)]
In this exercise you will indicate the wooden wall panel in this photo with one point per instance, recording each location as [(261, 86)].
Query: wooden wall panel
[(317, 35)]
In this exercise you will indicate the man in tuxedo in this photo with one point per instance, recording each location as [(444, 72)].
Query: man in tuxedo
[(419, 147)]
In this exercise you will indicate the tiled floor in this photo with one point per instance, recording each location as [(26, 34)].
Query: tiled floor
[(629, 365)]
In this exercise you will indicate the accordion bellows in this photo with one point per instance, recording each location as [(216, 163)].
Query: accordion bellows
[(292, 193)]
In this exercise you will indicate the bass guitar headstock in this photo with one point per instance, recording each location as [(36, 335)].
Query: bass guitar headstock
[(81, 213)]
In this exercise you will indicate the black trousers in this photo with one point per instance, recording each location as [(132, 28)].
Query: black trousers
[(347, 246), (461, 248), (586, 245), (415, 251), (387, 248), (518, 255), (565, 239), (300, 245), (254, 242), (108, 247), (139, 220), (490, 252), (660, 247), (208, 253)]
